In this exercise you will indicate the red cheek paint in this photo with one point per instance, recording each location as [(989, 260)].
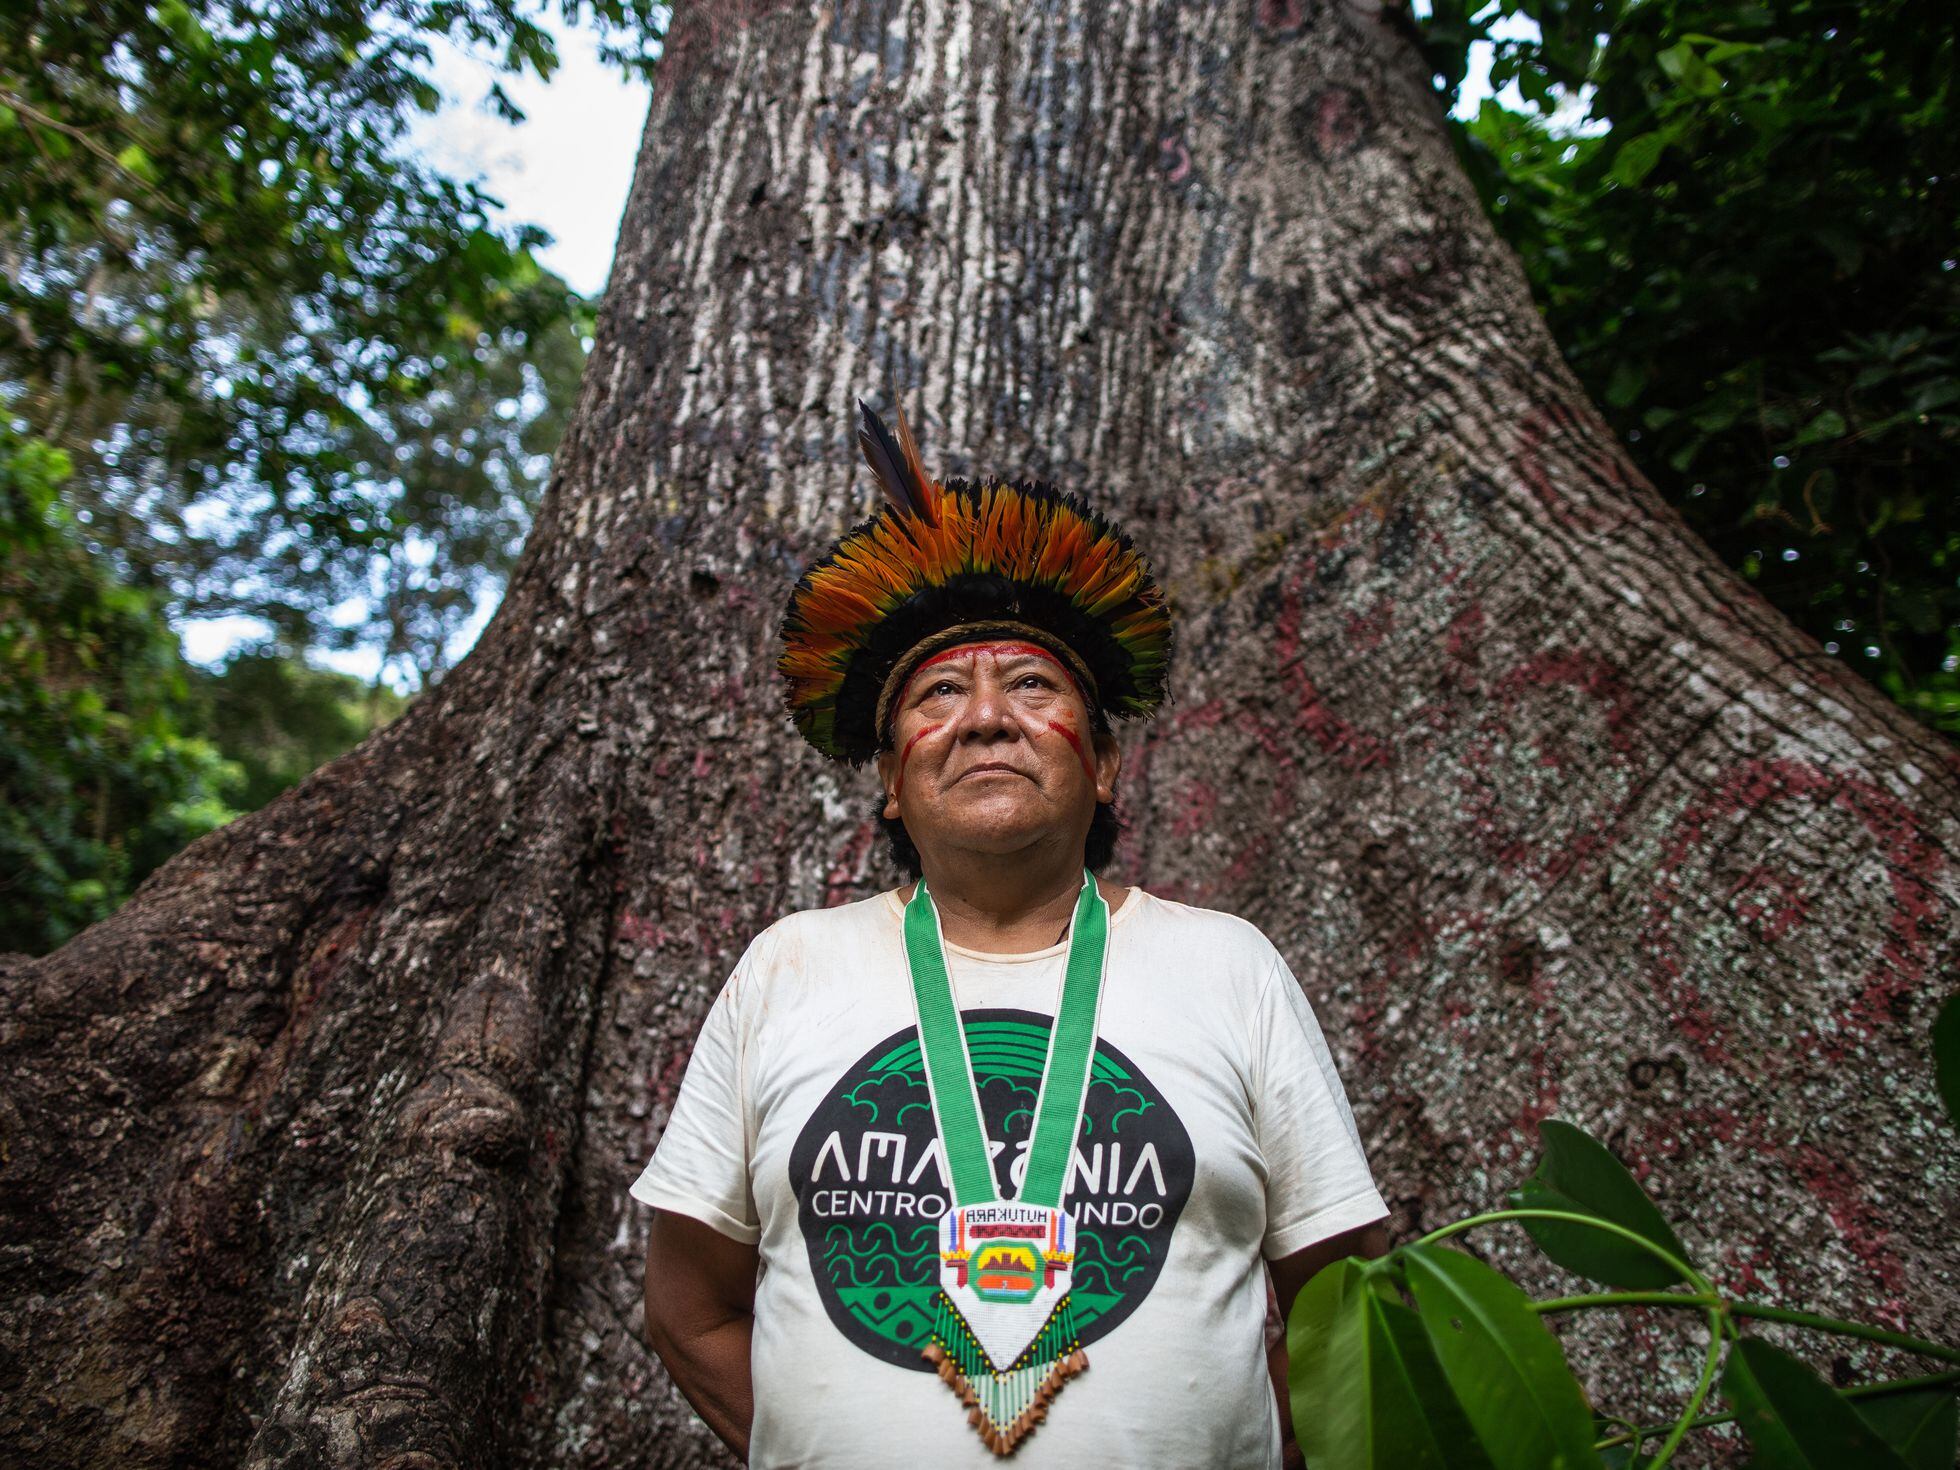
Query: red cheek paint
[(905, 755), (1067, 732)]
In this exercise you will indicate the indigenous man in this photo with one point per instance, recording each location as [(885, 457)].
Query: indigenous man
[(1003, 1149)]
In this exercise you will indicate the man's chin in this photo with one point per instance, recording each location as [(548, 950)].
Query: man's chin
[(1003, 837)]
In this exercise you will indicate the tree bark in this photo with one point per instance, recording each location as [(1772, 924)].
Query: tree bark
[(316, 1153)]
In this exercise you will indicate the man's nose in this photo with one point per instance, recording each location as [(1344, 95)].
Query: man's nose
[(987, 712)]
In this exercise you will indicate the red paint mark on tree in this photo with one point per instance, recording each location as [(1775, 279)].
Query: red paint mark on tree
[(1549, 426), (1280, 15), (1197, 807), (1199, 717), (311, 983), (1837, 1187), (1586, 673), (1353, 748), (1366, 630), (701, 32), (1340, 117), (1543, 1102), (1770, 904), (1910, 860), (667, 1085), (636, 929)]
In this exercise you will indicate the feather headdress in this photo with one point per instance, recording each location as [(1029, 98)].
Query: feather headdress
[(947, 562)]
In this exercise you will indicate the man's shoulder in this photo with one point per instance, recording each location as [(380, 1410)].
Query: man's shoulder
[(1214, 933), (823, 929), (1214, 924)]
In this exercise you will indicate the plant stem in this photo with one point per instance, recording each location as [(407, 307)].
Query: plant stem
[(1847, 1329), (1625, 1299), (1855, 1391), (1716, 1316), (1673, 1262)]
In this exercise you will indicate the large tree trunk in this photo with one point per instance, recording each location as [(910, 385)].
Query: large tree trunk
[(316, 1153)]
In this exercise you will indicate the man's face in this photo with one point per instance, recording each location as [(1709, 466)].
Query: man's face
[(992, 752)]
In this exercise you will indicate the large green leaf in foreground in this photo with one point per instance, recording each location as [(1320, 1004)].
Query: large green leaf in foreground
[(1366, 1390), (1920, 1426), (1578, 1175), (1795, 1420), (1507, 1370), (1946, 1056)]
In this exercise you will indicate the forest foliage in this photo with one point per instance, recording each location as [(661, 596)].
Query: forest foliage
[(1741, 221), (260, 361)]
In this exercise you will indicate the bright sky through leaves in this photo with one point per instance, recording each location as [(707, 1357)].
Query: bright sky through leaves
[(567, 167)]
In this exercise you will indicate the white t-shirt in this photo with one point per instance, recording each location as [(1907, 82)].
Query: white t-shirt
[(1215, 1129)]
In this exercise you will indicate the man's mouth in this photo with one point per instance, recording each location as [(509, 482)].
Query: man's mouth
[(993, 768)]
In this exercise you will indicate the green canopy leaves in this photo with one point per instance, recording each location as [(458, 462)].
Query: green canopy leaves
[(247, 316), (1742, 223)]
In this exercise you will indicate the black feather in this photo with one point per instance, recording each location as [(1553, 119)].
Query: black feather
[(887, 462)]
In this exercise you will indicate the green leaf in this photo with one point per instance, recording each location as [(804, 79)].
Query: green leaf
[(1629, 377), (1505, 1366), (1920, 1426), (1936, 394), (1637, 157), (1577, 1174), (1688, 70), (1795, 1420), (1365, 1387), (1946, 1057), (1827, 425), (135, 161)]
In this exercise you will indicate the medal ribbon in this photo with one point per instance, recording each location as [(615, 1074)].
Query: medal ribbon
[(1065, 1073)]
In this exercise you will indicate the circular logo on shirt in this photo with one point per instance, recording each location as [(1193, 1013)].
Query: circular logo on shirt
[(870, 1181)]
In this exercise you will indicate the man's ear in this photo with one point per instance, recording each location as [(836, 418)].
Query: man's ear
[(887, 762), (1109, 762)]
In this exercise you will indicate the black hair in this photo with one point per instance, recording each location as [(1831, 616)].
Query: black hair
[(1105, 827)]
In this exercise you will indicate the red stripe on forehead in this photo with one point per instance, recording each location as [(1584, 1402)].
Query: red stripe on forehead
[(1001, 650), (998, 650)]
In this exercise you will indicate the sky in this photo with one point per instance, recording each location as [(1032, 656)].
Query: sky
[(567, 168)]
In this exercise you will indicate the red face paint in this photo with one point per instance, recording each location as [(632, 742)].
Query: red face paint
[(1067, 732), (998, 650), (898, 789)]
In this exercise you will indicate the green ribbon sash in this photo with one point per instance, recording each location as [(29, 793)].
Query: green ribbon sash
[(1065, 1072), (1004, 1334)]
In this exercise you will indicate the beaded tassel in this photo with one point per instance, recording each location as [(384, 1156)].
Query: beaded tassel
[(1005, 1406)]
